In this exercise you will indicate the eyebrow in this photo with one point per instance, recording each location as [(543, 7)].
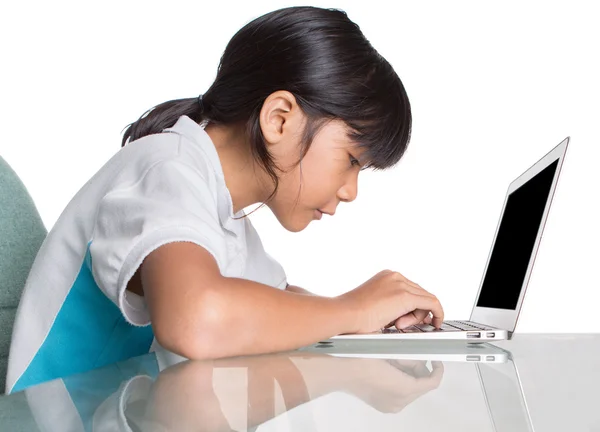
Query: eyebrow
[(354, 145), (357, 147), (361, 161)]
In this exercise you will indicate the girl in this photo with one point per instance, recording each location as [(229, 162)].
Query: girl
[(155, 249)]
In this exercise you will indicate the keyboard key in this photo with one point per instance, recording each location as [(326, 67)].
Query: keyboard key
[(446, 327), (461, 325), (412, 329), (426, 327), (474, 325)]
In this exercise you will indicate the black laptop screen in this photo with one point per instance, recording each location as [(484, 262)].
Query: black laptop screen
[(513, 248)]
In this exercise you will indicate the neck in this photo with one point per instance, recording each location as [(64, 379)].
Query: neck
[(243, 178)]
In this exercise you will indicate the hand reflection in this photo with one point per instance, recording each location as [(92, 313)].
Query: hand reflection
[(390, 385)]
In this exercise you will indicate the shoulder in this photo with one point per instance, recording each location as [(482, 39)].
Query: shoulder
[(156, 151)]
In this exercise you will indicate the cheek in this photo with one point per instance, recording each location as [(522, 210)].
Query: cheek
[(319, 182), (307, 186)]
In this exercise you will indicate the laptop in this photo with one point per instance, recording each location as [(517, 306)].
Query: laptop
[(509, 264), (504, 397), (450, 351)]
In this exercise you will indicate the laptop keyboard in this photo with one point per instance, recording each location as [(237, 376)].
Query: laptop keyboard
[(446, 326)]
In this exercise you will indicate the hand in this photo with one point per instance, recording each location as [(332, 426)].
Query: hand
[(389, 298), (390, 385)]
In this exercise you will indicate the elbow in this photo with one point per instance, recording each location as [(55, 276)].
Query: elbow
[(172, 340), (192, 331)]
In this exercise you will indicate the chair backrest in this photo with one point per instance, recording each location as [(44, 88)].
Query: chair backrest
[(21, 235)]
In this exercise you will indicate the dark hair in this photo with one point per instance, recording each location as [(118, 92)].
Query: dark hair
[(324, 60)]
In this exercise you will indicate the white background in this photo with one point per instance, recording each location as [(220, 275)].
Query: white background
[(493, 87)]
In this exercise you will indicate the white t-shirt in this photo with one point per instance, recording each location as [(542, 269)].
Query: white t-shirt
[(75, 313)]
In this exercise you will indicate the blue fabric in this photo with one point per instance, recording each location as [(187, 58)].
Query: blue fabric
[(89, 332)]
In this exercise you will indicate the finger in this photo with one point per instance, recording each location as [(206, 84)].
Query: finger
[(388, 325), (411, 318), (431, 303), (420, 316), (424, 303), (416, 369), (404, 366), (427, 319), (432, 381), (437, 369), (406, 321), (420, 370), (437, 373)]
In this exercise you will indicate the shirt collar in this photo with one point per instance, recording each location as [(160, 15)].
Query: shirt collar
[(195, 132)]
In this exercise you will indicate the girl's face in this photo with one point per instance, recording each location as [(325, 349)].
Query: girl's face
[(327, 174)]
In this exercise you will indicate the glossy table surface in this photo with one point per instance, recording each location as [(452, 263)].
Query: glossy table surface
[(538, 382)]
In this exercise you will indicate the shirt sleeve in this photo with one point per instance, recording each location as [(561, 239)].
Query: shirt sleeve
[(261, 266), (171, 202), (280, 277)]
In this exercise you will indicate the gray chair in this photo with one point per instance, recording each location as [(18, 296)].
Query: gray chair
[(21, 235)]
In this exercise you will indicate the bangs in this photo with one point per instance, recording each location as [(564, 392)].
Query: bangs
[(384, 121)]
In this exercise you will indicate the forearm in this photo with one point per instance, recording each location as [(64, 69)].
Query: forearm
[(324, 374), (241, 317), (298, 290)]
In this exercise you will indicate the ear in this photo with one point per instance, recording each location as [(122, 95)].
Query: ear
[(280, 117)]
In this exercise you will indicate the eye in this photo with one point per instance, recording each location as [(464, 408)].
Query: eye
[(354, 161)]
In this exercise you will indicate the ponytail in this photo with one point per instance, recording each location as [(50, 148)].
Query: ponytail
[(163, 116)]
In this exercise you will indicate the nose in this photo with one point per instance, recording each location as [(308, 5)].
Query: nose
[(349, 190)]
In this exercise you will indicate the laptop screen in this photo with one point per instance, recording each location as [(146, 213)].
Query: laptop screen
[(514, 244), (504, 397)]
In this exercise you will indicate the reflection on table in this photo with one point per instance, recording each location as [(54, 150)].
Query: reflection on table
[(344, 385)]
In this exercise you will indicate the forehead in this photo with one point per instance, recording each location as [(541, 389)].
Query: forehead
[(337, 133), (333, 140)]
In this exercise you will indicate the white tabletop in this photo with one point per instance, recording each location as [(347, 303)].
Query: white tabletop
[(532, 382)]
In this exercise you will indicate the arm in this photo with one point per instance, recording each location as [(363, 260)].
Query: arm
[(198, 313), (184, 396), (298, 290)]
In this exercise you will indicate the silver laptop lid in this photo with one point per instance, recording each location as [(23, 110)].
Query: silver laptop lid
[(516, 242), (504, 397)]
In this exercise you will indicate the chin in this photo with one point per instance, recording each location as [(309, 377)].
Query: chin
[(294, 221), (293, 224)]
